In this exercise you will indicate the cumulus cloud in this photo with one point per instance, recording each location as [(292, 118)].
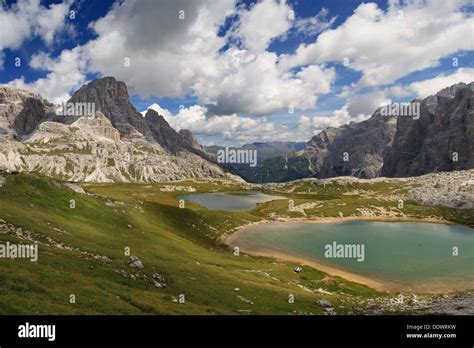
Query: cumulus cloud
[(364, 105), (238, 129), (172, 57), (66, 73), (167, 54), (259, 87), (424, 88), (178, 49), (28, 18), (161, 111), (227, 128), (431, 86), (416, 35), (307, 126), (311, 26), (261, 24)]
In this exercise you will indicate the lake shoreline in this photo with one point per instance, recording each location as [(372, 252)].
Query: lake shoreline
[(372, 282)]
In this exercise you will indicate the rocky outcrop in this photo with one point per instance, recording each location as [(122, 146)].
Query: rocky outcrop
[(135, 262), (442, 139), (453, 189), (21, 112), (355, 149), (116, 145), (91, 150), (110, 97), (190, 140), (163, 133)]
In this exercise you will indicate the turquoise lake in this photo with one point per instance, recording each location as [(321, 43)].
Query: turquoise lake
[(413, 254), (229, 202)]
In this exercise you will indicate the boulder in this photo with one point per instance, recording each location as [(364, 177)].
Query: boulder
[(135, 262)]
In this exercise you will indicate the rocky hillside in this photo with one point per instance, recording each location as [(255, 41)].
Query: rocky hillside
[(265, 150), (268, 150), (355, 149), (441, 139), (117, 145), (21, 112)]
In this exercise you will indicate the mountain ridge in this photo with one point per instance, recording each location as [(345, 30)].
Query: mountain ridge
[(117, 144), (122, 145), (375, 147)]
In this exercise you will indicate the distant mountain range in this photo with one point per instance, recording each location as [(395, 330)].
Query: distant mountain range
[(120, 145), (264, 150), (440, 138)]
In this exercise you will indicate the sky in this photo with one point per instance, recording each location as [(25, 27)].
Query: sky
[(236, 72)]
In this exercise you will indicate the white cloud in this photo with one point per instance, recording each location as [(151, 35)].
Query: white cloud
[(424, 88), (364, 105), (317, 79), (52, 21), (27, 19), (431, 86), (307, 126), (170, 57), (226, 128), (237, 129), (167, 54), (265, 21), (161, 111), (65, 74), (387, 45), (311, 26), (259, 87)]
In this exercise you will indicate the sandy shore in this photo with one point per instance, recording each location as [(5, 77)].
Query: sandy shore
[(365, 218), (374, 283)]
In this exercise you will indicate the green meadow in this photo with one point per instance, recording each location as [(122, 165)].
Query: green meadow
[(83, 250)]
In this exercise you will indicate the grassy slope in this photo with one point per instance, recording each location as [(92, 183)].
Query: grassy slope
[(180, 244), (177, 243)]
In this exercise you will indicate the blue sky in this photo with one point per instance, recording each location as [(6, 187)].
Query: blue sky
[(241, 71)]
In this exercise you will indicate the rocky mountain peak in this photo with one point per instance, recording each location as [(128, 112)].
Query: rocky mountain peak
[(442, 139), (21, 112), (114, 143), (111, 97), (450, 92), (189, 139), (155, 118)]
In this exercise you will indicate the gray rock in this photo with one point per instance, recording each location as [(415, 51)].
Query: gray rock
[(118, 145), (324, 155), (324, 303), (135, 262), (159, 281), (426, 145), (21, 112), (386, 145), (329, 311)]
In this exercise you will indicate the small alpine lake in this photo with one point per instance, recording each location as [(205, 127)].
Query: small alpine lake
[(411, 256), (228, 201)]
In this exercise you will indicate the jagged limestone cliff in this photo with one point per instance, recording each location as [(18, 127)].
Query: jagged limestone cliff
[(120, 146)]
